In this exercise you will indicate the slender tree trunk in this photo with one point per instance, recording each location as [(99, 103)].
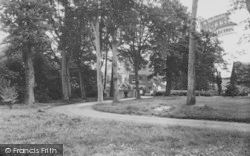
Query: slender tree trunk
[(29, 75), (95, 25), (65, 89), (111, 92), (191, 100), (138, 96), (106, 66), (82, 87), (169, 83), (168, 78), (115, 72), (68, 80)]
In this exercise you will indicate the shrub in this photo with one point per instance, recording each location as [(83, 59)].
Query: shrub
[(232, 90), (41, 94), (8, 93), (159, 93)]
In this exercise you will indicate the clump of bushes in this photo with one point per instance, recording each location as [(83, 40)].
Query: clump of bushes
[(183, 93), (232, 90), (8, 93)]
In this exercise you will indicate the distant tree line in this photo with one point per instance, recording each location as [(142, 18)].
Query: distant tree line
[(56, 48)]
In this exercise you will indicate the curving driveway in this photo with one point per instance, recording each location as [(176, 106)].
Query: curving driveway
[(86, 110)]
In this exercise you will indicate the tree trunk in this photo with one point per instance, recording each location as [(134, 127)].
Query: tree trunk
[(115, 72), (106, 66), (29, 75), (95, 25), (138, 96), (169, 83), (191, 100), (68, 80), (111, 92), (82, 87), (168, 77), (65, 88)]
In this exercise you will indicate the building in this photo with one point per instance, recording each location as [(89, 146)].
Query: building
[(145, 82)]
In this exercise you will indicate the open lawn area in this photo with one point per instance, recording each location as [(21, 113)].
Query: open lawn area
[(84, 136), (209, 108)]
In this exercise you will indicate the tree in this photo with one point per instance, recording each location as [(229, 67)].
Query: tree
[(82, 54), (115, 21), (208, 53), (135, 37), (232, 89), (168, 28), (191, 100), (26, 21), (95, 22), (62, 28)]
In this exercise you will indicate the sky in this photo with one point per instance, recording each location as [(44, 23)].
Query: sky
[(208, 8), (230, 43)]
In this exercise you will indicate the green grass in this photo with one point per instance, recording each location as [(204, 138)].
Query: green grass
[(208, 108), (84, 136)]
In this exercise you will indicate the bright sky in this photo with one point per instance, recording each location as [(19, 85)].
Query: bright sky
[(210, 8)]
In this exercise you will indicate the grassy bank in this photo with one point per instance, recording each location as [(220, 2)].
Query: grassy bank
[(83, 136), (208, 108)]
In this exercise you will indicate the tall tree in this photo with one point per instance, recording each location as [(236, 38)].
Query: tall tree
[(191, 100), (26, 21), (96, 28), (208, 53), (62, 28), (116, 18), (169, 28), (135, 38)]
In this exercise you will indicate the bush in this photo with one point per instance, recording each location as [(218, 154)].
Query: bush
[(8, 93), (232, 90), (184, 93), (41, 94), (159, 93), (179, 93)]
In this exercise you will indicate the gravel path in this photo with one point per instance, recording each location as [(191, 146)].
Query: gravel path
[(86, 110)]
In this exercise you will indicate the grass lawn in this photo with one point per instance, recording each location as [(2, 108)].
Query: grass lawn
[(84, 136), (208, 108)]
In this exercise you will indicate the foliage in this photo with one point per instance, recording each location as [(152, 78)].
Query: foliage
[(26, 22), (232, 90), (183, 93), (135, 37), (139, 28), (15, 65), (8, 93), (219, 82), (209, 52), (89, 79), (48, 82)]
